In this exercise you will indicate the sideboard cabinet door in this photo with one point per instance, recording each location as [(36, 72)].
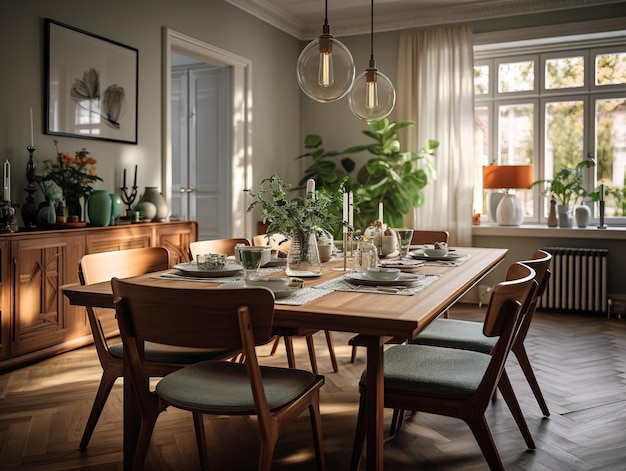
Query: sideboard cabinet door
[(176, 236), (5, 298), (42, 315)]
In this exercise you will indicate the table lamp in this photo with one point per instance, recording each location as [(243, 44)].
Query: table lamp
[(509, 211)]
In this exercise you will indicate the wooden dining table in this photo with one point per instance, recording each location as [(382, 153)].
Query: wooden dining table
[(376, 318)]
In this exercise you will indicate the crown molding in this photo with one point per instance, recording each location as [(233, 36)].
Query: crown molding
[(413, 18)]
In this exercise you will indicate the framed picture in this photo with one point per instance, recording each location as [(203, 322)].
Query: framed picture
[(91, 85)]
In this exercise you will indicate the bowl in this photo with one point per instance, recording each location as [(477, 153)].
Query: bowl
[(432, 252), (273, 283), (382, 274)]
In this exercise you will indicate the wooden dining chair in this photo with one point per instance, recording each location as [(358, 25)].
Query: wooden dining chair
[(281, 242), (468, 335), (99, 267), (226, 246), (218, 318), (420, 237), (454, 382)]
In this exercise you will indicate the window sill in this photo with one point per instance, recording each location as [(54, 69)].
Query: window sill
[(539, 230)]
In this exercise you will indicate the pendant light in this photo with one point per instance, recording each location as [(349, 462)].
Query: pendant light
[(372, 96), (325, 68)]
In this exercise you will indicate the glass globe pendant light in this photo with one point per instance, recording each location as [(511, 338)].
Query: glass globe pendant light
[(372, 96), (325, 68)]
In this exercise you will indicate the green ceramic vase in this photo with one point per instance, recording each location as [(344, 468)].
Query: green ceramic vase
[(99, 208)]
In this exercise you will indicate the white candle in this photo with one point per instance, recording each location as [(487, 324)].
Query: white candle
[(345, 212), (310, 188), (32, 140), (7, 181), (380, 211), (351, 210)]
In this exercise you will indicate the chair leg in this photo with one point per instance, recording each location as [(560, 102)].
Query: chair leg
[(143, 441), (359, 436), (203, 453), (268, 446), (524, 363), (353, 356), (275, 346), (396, 421), (331, 350), (291, 356), (311, 347), (509, 397), (316, 425), (106, 384), (483, 436)]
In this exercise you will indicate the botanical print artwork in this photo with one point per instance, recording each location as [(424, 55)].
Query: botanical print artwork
[(110, 107)]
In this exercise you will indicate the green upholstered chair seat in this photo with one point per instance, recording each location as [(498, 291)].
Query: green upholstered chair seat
[(432, 371), (454, 333), (215, 387), (160, 353)]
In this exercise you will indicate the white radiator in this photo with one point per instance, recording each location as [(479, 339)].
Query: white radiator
[(578, 281)]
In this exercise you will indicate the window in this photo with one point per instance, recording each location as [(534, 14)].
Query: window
[(552, 106)]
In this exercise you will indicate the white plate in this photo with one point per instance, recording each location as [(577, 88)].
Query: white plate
[(423, 256), (405, 279), (285, 293), (191, 269)]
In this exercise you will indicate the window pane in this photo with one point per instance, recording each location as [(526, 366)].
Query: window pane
[(564, 135), (611, 153), (567, 72), (611, 69), (516, 133), (481, 153), (481, 79), (516, 76)]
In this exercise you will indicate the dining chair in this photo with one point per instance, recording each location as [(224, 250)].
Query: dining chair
[(420, 237), (468, 335), (226, 246), (281, 242), (454, 382), (99, 267), (218, 318)]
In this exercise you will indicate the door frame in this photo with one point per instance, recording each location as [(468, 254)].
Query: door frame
[(241, 113)]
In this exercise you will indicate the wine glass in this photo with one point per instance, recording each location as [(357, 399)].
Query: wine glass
[(404, 240)]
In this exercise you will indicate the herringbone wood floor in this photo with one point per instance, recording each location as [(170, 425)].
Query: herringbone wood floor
[(580, 362)]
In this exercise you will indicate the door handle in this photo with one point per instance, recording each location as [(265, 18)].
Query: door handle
[(187, 190)]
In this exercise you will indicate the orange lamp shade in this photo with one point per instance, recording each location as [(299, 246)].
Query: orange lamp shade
[(507, 176)]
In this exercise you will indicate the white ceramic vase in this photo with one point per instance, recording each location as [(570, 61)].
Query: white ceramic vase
[(583, 215)]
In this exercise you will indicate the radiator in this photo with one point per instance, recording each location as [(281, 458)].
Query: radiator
[(578, 281)]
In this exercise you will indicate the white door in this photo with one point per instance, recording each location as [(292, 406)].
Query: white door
[(201, 136)]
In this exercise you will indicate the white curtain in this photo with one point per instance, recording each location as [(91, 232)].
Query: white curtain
[(435, 89)]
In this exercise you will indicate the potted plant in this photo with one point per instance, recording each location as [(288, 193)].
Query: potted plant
[(303, 220), (391, 177), (566, 187)]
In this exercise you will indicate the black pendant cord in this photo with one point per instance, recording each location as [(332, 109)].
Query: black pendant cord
[(372, 31)]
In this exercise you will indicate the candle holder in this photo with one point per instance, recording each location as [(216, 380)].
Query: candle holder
[(602, 225), (129, 198), (29, 209), (7, 213)]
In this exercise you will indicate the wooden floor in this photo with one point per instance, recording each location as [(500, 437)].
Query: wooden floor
[(580, 362)]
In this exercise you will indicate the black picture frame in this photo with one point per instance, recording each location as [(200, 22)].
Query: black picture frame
[(91, 85)]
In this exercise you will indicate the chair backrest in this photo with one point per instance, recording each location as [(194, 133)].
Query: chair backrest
[(428, 237), (501, 320), (99, 267), (278, 242), (212, 318), (226, 246)]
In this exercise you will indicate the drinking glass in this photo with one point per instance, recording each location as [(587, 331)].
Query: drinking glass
[(404, 240), (251, 259)]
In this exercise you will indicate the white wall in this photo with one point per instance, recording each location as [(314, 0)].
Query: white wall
[(139, 23)]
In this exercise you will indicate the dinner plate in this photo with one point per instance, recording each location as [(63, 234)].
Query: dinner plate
[(278, 294), (405, 279), (448, 257), (191, 269)]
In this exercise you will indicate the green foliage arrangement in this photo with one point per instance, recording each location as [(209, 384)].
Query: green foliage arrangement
[(391, 176), (567, 184)]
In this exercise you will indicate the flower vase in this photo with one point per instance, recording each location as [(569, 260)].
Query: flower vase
[(99, 208), (583, 215), (46, 213), (153, 195), (116, 207), (73, 208), (565, 216), (303, 258)]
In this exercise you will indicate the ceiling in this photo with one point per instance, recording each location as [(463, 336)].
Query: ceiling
[(303, 19)]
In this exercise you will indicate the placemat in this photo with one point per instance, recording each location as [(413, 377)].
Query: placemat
[(341, 284)]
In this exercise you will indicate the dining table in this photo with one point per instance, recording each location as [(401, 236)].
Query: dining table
[(376, 317)]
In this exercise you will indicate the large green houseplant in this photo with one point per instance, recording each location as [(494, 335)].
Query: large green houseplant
[(391, 177)]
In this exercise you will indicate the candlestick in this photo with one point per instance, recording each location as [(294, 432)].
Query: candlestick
[(124, 180), (135, 179), (351, 210), (345, 213), (602, 225), (29, 208), (32, 139), (7, 181)]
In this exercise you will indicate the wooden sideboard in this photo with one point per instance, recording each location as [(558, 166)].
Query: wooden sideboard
[(36, 320)]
